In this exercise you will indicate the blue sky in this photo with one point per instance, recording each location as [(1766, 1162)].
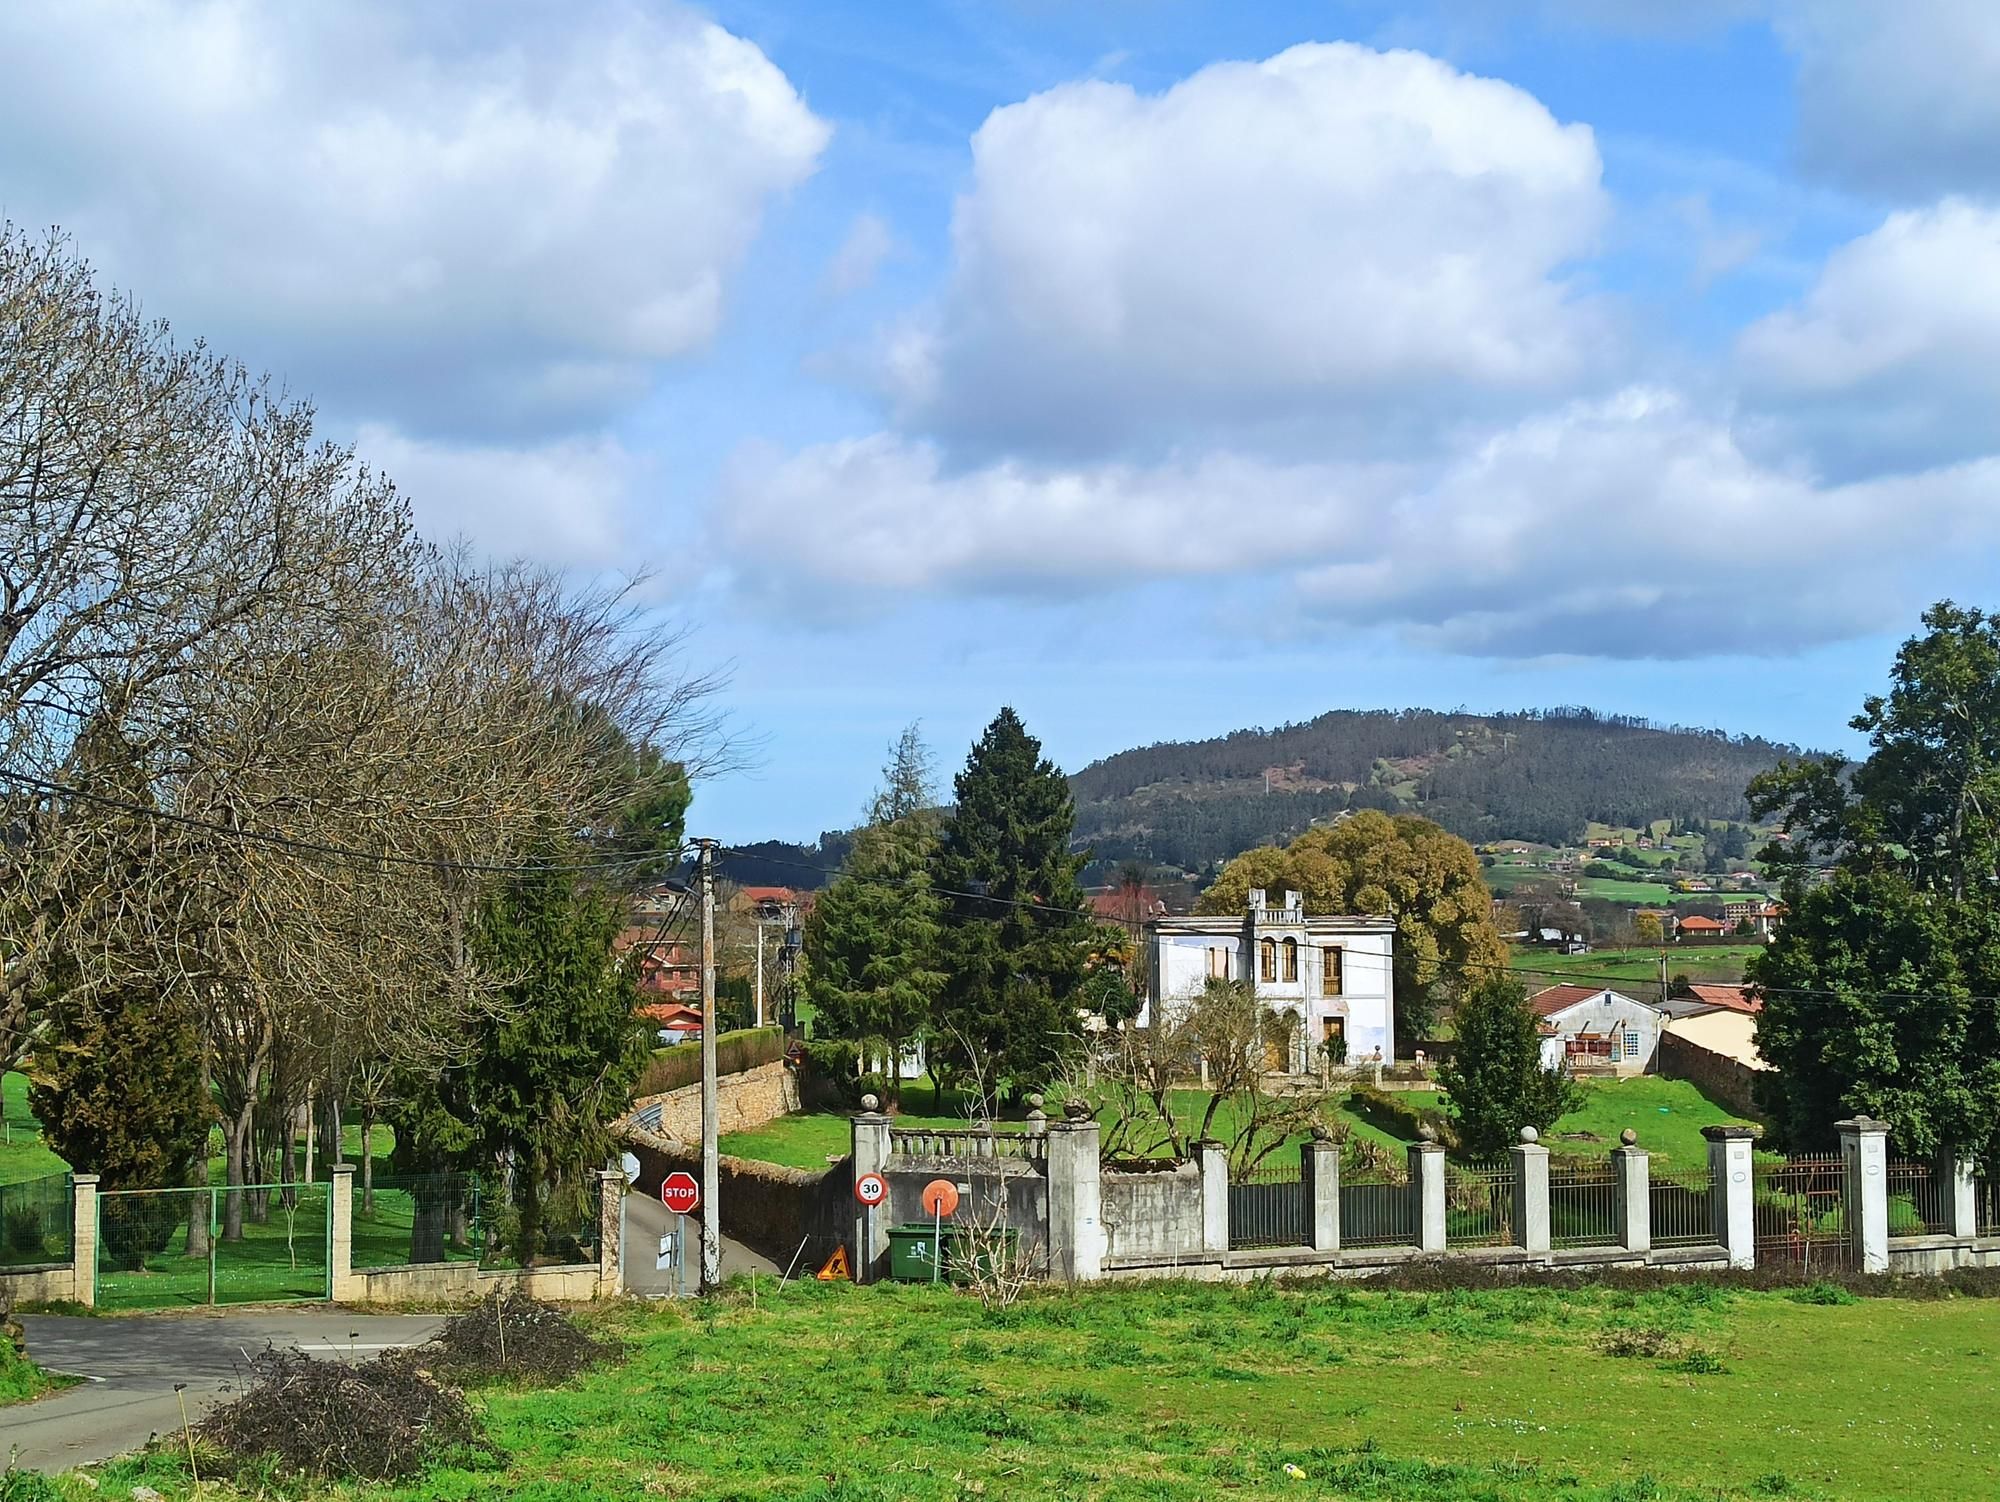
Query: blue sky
[(1156, 367)]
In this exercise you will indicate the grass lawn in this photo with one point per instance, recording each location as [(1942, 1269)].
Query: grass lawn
[(1190, 1392), (1638, 966), (1631, 893), (23, 1154)]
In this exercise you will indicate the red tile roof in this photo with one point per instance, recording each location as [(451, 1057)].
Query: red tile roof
[(1698, 924), (1732, 998), (671, 1014), (1560, 999)]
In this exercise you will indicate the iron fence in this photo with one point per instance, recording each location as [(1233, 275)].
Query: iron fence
[(1799, 1211), (1682, 1207), (1917, 1202), (1479, 1203), (1267, 1207), (1376, 1208), (1583, 1203), (1986, 1205), (162, 1247), (35, 1221)]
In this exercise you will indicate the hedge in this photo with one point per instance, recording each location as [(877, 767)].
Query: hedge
[(680, 1063), (1383, 1108)]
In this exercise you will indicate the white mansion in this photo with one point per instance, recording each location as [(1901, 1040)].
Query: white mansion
[(1333, 973)]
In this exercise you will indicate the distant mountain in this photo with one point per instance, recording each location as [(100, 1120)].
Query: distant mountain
[(1540, 775)]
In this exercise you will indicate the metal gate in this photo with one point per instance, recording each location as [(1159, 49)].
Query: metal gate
[(158, 1248), (1799, 1210), (1267, 1207)]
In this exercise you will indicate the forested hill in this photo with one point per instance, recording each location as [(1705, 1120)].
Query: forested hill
[(1538, 775)]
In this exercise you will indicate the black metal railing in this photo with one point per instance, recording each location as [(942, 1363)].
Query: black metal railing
[(1377, 1208), (1918, 1205), (1583, 1203), (1479, 1203), (1268, 1207), (1682, 1208)]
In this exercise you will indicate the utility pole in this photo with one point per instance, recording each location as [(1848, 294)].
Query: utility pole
[(711, 1223), (760, 972), (1663, 979)]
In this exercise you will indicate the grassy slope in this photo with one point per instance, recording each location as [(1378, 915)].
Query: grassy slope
[(1667, 1114), (1183, 1393), (21, 1380), (22, 1153), (1633, 967)]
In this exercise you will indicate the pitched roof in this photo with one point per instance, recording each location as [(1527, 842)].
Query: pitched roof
[(1730, 998), (1560, 999), (1700, 924), (671, 1014)]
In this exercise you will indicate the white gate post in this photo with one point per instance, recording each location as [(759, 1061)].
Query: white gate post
[(1427, 1190), (1531, 1192), (1632, 1176), (1729, 1149), (1864, 1151)]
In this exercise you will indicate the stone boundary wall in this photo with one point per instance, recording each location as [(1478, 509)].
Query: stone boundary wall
[(467, 1283), (1151, 1214), (47, 1283), (769, 1208), (743, 1102), (1724, 1080)]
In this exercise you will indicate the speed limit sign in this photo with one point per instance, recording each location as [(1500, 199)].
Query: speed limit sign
[(870, 1189)]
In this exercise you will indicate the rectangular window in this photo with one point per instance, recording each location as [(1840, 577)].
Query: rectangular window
[(1631, 1044), (1330, 971), (1218, 963), (1267, 963)]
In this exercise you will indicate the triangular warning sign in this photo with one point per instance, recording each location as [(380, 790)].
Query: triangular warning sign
[(836, 1269)]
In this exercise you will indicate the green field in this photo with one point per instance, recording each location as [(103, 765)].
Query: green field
[(1637, 967), (1190, 1392), (23, 1155), (1631, 893), (1667, 1114)]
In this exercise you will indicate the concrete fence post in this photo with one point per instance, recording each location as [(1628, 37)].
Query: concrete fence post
[(1961, 1194), (610, 1233), (1319, 1170), (1531, 1192), (83, 1236), (1632, 1193), (1076, 1207), (1427, 1192), (1864, 1151), (1729, 1149), (870, 1155), (342, 1286), (1214, 1198)]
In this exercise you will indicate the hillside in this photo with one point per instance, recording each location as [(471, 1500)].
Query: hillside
[(1537, 775)]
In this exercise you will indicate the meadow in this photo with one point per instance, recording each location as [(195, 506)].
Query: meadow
[(1186, 1392)]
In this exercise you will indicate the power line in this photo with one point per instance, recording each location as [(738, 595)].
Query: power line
[(295, 845)]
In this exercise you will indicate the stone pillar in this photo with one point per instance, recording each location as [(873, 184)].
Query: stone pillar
[(610, 1233), (1038, 1119), (1427, 1191), (342, 1286), (1531, 1192), (1319, 1169), (1632, 1193), (1864, 1149), (870, 1155), (1957, 1177), (1729, 1149), (83, 1236), (1214, 1198), (1076, 1213)]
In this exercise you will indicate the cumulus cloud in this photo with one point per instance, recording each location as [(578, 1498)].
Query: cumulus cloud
[(1898, 98), (1331, 229), (868, 244), (467, 217), (1636, 526), (1892, 358)]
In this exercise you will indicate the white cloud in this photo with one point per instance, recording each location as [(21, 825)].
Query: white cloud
[(1892, 358), (868, 244), (1899, 97), (1333, 228), (570, 503), (469, 216), (1631, 527)]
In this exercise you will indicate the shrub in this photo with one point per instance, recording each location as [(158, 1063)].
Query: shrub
[(1384, 1109), (679, 1065), (22, 1236)]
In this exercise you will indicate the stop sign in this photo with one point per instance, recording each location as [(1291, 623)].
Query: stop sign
[(679, 1192)]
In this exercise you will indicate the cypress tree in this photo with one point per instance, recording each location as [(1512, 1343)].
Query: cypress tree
[(1015, 939), (1495, 1078)]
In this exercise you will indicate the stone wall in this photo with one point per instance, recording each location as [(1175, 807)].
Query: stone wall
[(768, 1208), (743, 1101), (1152, 1214), (53, 1283), (1724, 1080), (467, 1283)]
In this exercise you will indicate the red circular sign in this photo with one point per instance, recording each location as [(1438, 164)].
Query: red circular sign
[(940, 1197), (870, 1189), (679, 1192)]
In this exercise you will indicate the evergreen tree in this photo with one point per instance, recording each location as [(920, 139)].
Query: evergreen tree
[(871, 940), (1495, 1077), (559, 1061), (1015, 940)]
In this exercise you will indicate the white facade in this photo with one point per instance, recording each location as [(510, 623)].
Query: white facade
[(1333, 973), (1596, 1028)]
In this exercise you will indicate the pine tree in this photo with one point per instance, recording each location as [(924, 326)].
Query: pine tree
[(1016, 942), (1495, 1077), (871, 941)]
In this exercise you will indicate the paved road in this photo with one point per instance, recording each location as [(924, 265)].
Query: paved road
[(134, 1361), (646, 1221)]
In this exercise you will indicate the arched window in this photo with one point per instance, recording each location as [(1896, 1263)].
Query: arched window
[(1267, 959), (1291, 959), (1330, 970)]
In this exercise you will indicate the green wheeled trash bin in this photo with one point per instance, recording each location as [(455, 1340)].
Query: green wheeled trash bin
[(912, 1249)]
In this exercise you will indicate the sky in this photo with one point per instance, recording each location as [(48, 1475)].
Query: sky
[(1156, 367)]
